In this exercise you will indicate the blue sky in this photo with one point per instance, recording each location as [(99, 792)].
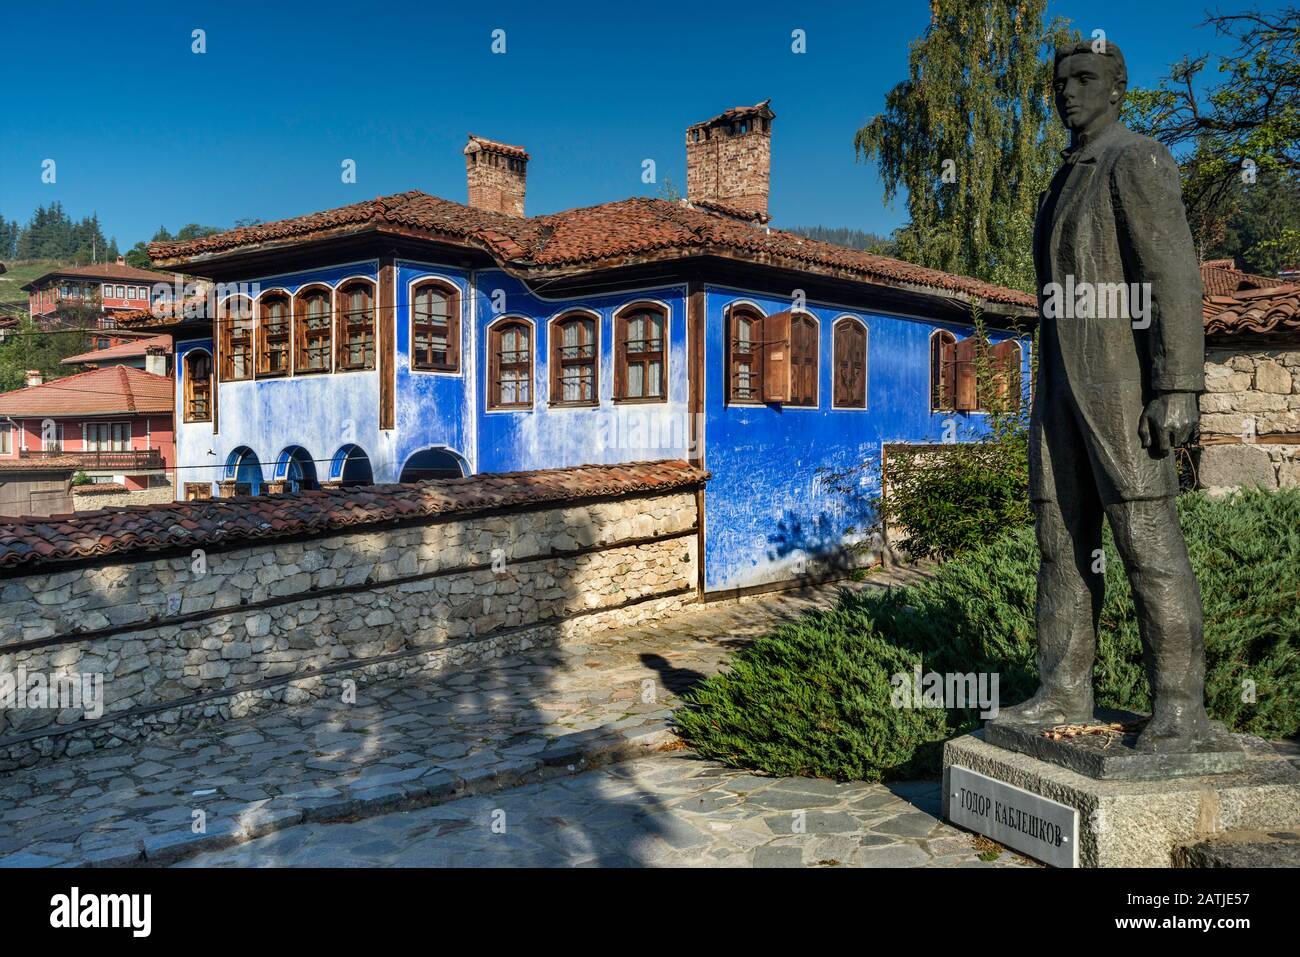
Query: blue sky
[(145, 132)]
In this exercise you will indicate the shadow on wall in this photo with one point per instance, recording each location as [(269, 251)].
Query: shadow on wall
[(822, 545)]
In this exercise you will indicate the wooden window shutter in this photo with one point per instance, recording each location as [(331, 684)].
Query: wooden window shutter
[(776, 357), (453, 329), (1004, 360), (840, 357), (966, 388), (494, 360), (850, 372)]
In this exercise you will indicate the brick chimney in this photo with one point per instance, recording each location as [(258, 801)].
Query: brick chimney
[(121, 260), (34, 377), (729, 161), (496, 175)]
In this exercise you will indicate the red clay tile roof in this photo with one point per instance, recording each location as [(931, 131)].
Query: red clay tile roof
[(51, 463), (1258, 312), (126, 350), (749, 215), (1221, 277), (116, 389), (594, 237), (102, 271), (34, 540), (492, 146), (98, 488)]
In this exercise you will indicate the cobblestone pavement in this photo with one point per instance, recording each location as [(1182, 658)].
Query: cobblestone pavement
[(402, 745), (663, 811)]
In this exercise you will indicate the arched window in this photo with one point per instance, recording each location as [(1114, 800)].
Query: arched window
[(640, 373), (236, 338), (943, 371), (510, 351), (849, 390), (351, 466), (245, 470), (296, 469), (357, 325), (273, 335), (435, 327), (432, 464), (803, 360), (312, 321), (197, 372), (574, 354), (744, 354)]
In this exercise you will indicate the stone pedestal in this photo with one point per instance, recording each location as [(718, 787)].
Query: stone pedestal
[(1023, 801)]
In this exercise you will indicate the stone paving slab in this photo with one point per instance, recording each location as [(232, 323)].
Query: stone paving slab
[(668, 810), (403, 744)]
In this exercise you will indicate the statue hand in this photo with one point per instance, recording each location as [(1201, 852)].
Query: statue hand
[(1167, 421)]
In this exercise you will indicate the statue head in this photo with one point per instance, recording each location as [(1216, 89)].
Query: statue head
[(1089, 82)]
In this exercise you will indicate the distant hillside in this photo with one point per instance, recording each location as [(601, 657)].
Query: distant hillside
[(13, 300), (852, 238)]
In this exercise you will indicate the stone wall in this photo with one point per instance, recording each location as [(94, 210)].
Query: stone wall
[(199, 636), (88, 497), (1250, 417)]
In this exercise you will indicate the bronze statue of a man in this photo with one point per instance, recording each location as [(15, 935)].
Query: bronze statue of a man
[(1122, 352)]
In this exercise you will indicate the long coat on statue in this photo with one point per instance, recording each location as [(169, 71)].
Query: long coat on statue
[(1112, 215)]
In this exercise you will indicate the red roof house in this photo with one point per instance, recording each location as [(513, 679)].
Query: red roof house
[(107, 288), (116, 423)]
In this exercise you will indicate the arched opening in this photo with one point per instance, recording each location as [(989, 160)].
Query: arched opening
[(351, 466), (243, 466), (432, 464), (296, 469)]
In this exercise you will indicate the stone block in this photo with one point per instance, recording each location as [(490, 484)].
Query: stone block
[(1142, 823), (1272, 377), (1236, 466)]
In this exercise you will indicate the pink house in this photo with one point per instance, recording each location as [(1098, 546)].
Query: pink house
[(115, 422)]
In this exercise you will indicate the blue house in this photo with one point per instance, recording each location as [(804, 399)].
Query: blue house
[(411, 337)]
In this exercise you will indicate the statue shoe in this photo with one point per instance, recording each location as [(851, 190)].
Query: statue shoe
[(1046, 707), (1179, 731)]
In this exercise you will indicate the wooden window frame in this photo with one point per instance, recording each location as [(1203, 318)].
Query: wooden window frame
[(623, 358), (496, 366), (229, 324), (943, 381), (283, 340), (451, 364), (198, 491), (559, 362), (192, 383), (348, 326), (840, 325), (308, 339), (737, 312), (798, 319)]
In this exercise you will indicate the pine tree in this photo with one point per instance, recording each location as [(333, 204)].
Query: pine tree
[(972, 137)]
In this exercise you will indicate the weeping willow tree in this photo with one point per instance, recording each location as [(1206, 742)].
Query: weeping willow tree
[(972, 136)]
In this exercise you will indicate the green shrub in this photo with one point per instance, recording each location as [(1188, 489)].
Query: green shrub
[(813, 698)]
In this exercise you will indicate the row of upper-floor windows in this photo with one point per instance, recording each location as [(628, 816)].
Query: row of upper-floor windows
[(640, 365), (91, 290), (769, 358), (320, 329)]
